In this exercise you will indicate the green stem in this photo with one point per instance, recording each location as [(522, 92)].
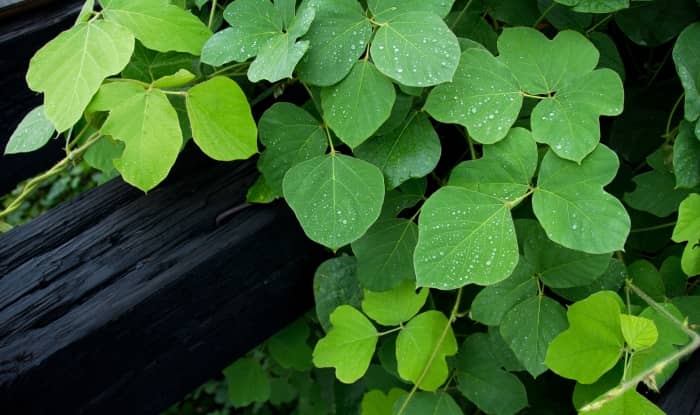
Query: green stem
[(225, 69), (472, 150), (395, 329), (654, 228), (130, 81), (670, 116), (526, 95), (513, 203), (460, 15), (544, 14), (167, 92), (211, 14), (600, 23)]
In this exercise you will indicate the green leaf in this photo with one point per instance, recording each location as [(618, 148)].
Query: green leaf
[(32, 133), (609, 55), (669, 332), (631, 402), (281, 392), (424, 343), (645, 276), (416, 49), (102, 154), (686, 157), (687, 59), (221, 119), (399, 112), (261, 192), (357, 106), (612, 280), (288, 347), (247, 382), (411, 151), (593, 343), (514, 12), (385, 254), (674, 280), (335, 284), (70, 68), (563, 18), (148, 125), (111, 95), (335, 197), (147, 65), (640, 333), (180, 78), (655, 193), (86, 12), (349, 346), (339, 36), (484, 96), (558, 267), (403, 197), (530, 327), (375, 402), (464, 237), (277, 58), (290, 136), (654, 23), (159, 26), (493, 302), (393, 307), (502, 352), (481, 379), (596, 6), (585, 394), (572, 206), (688, 229), (382, 10), (422, 403)]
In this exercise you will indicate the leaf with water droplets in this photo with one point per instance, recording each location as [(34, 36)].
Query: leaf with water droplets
[(596, 6), (335, 197), (687, 59), (277, 58), (686, 157), (32, 133), (484, 96), (335, 284), (416, 49), (572, 206), (357, 106), (411, 151), (395, 306), (290, 135), (383, 10)]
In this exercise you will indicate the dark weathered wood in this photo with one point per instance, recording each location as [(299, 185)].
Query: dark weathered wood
[(681, 396), (122, 303)]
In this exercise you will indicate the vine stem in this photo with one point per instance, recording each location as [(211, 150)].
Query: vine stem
[(670, 116), (659, 366), (600, 23), (654, 228), (526, 95), (438, 345), (544, 14), (212, 13), (57, 168), (460, 15)]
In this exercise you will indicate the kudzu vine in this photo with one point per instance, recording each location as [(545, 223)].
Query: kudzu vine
[(558, 242)]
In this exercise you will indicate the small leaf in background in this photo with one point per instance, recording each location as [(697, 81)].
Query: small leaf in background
[(399, 112), (564, 18), (688, 229), (335, 284), (261, 192), (180, 78), (281, 391), (349, 346), (421, 343), (32, 133), (481, 379), (70, 69), (221, 119), (359, 104), (161, 27), (686, 157), (385, 254), (612, 280), (631, 402), (593, 343), (247, 383), (335, 197), (289, 348), (655, 193), (416, 49), (653, 23), (410, 151), (572, 206), (376, 402), (640, 333), (428, 403), (596, 6), (393, 307), (148, 65), (406, 196), (502, 352)]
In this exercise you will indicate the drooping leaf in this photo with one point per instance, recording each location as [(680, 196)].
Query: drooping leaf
[(428, 403), (376, 402), (357, 106), (411, 151), (247, 382), (161, 27), (688, 229), (687, 59), (335, 197), (335, 284), (640, 333), (655, 193), (385, 9), (349, 346), (32, 133), (289, 348), (421, 344), (176, 80), (686, 157), (596, 6), (393, 307), (593, 342), (572, 206), (484, 96), (416, 49), (70, 68), (631, 402), (277, 59), (148, 125), (385, 254)]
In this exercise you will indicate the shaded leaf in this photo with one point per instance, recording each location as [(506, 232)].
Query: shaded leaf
[(335, 284)]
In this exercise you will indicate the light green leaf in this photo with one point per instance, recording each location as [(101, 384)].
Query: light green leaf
[(288, 347), (669, 332), (411, 151), (180, 78), (640, 333), (111, 95), (439, 403), (686, 157), (655, 193), (383, 10), (593, 343), (86, 12), (70, 68), (530, 327), (339, 36), (494, 301), (631, 402), (102, 154), (484, 96), (221, 119), (277, 58), (596, 6), (464, 237), (558, 267), (416, 49), (349, 346), (335, 197), (385, 254), (688, 229), (481, 379), (375, 402), (357, 106), (572, 206), (301, 22), (147, 123), (427, 338), (290, 135), (247, 382), (335, 284), (504, 171), (161, 27), (287, 10), (32, 133), (393, 307), (261, 192), (585, 394)]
